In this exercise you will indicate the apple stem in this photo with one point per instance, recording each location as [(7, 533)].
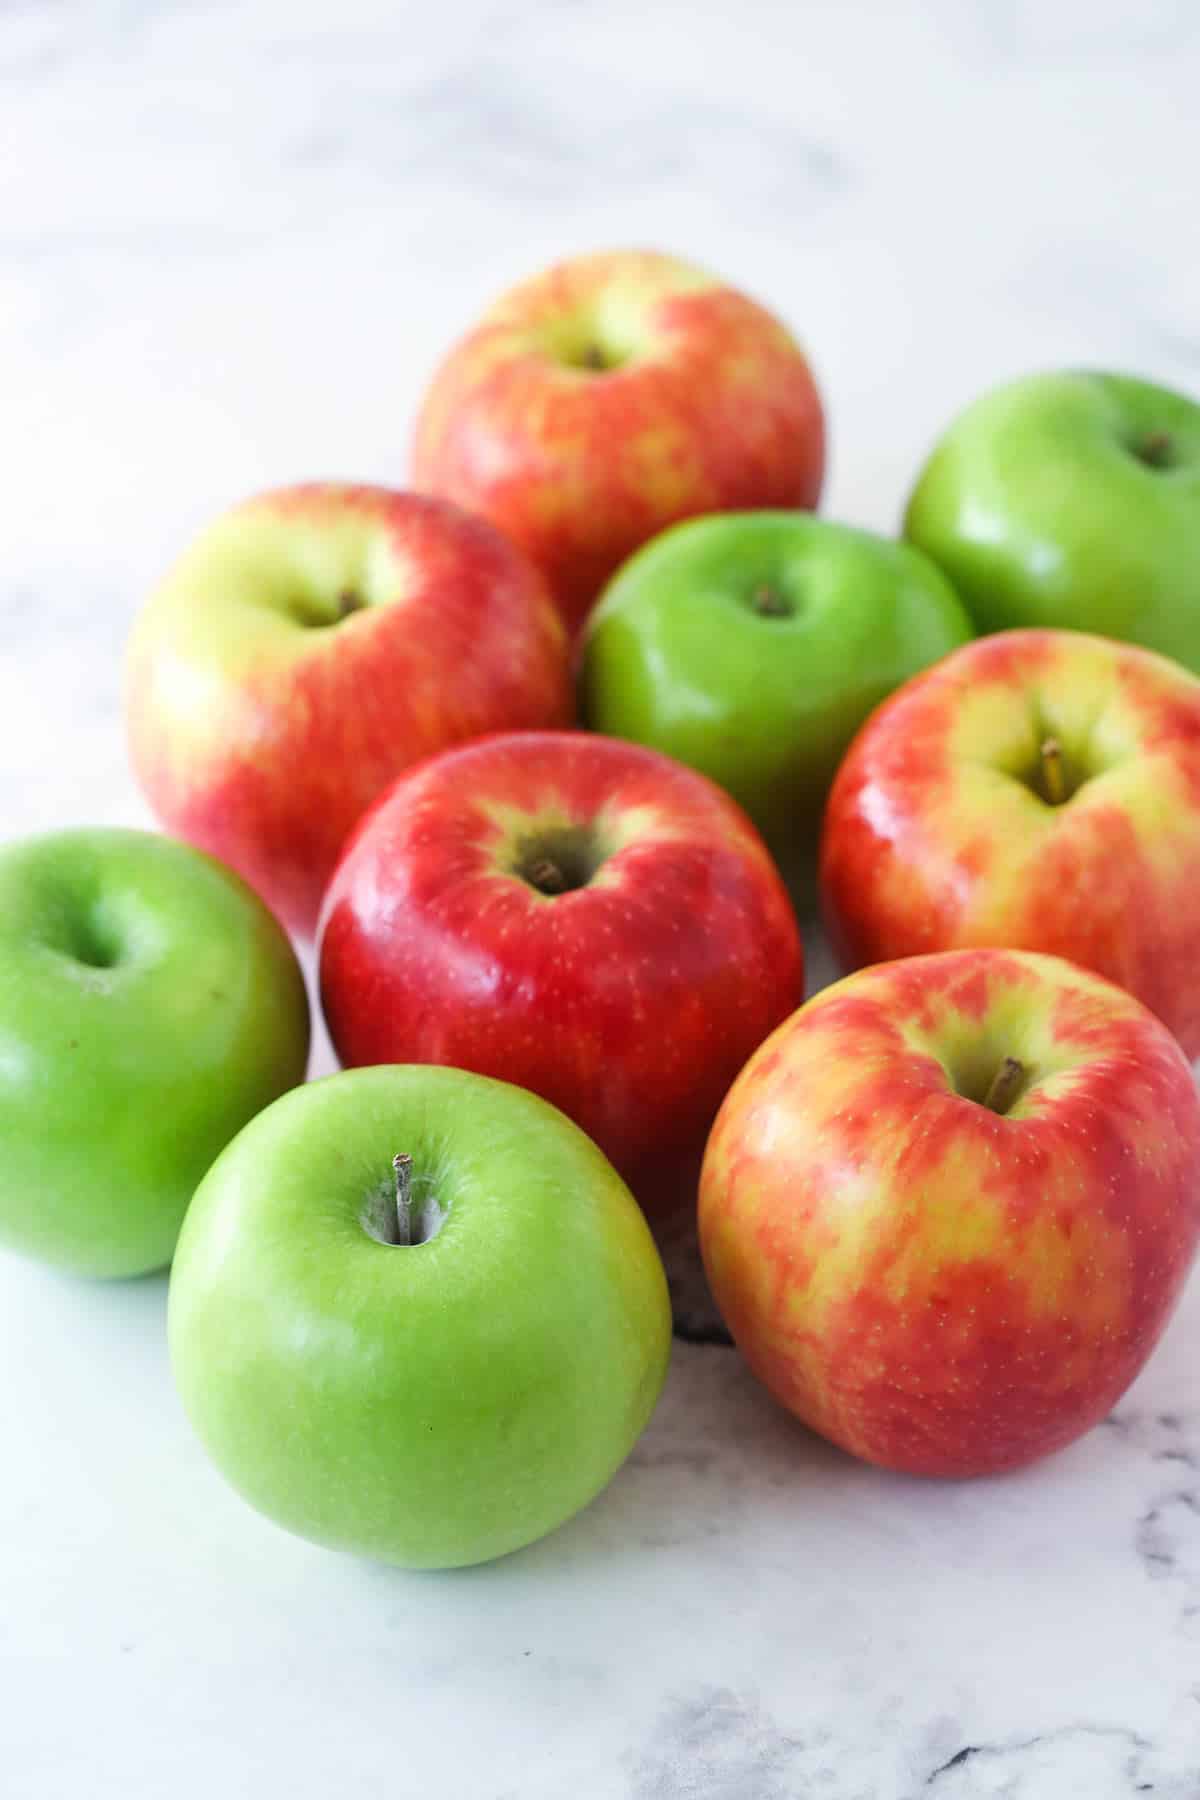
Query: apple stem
[(1054, 780), (769, 603), (547, 877), (1155, 450), (1004, 1085), (403, 1167), (593, 358), (349, 602)]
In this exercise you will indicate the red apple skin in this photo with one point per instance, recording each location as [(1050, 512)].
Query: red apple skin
[(935, 1287), (630, 1002), (261, 728), (934, 840), (710, 406)]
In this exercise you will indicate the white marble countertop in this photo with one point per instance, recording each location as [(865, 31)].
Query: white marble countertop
[(232, 238)]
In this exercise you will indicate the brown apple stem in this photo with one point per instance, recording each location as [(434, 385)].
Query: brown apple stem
[(1155, 450), (1054, 781), (349, 602), (1004, 1085), (403, 1167), (547, 877), (768, 603), (593, 358)]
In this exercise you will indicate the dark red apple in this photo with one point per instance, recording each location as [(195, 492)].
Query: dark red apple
[(584, 917)]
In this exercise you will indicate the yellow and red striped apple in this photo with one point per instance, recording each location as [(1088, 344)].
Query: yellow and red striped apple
[(610, 396), (1037, 789), (310, 645), (948, 1206)]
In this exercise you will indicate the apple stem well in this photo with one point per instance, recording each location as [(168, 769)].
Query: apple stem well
[(1156, 450), (769, 603), (314, 612), (405, 1210), (398, 1217), (556, 860), (1005, 1085)]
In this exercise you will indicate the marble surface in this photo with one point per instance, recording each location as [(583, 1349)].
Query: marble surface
[(232, 237)]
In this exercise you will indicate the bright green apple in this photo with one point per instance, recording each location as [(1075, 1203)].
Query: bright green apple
[(149, 1005), (1071, 500), (753, 645), (432, 1361)]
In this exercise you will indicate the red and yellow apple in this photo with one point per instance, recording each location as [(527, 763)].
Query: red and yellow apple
[(1037, 789), (311, 644), (582, 917), (947, 1208), (610, 396)]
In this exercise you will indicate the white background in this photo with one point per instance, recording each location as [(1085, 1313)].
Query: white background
[(232, 239)]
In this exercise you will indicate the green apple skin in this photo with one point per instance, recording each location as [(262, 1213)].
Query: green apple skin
[(149, 1005), (681, 655), (1071, 500), (431, 1404)]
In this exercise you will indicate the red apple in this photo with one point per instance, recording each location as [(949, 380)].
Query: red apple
[(1039, 789), (947, 1208), (583, 917), (610, 396), (310, 645)]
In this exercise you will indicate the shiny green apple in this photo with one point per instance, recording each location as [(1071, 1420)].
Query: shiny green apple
[(417, 1315), (1071, 500), (753, 645), (149, 1005)]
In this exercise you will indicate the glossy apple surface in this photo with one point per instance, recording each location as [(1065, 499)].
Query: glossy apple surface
[(149, 1006), (1036, 789), (584, 917), (610, 396), (311, 644), (1071, 499), (947, 1208), (753, 645), (435, 1402)]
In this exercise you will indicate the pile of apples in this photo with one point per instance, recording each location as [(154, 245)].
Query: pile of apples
[(417, 1309)]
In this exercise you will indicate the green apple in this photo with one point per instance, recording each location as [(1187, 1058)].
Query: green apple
[(753, 645), (417, 1315), (1071, 500), (149, 1005)]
